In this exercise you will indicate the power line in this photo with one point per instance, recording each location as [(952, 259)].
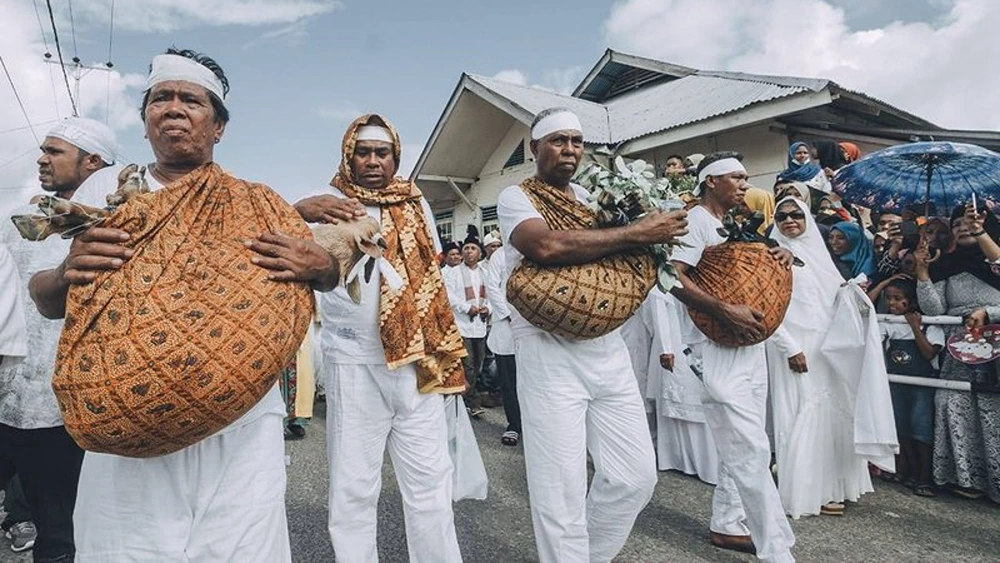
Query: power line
[(29, 126), (72, 27), (18, 98), (41, 28), (55, 36), (19, 157), (109, 64)]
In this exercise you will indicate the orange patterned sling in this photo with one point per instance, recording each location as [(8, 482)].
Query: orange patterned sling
[(584, 300), (188, 335)]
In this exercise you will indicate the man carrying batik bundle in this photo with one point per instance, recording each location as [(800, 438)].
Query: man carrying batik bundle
[(576, 395), (746, 510), (389, 359), (222, 498)]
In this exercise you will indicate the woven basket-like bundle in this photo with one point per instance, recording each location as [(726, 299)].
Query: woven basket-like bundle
[(742, 273), (582, 301), (188, 335)]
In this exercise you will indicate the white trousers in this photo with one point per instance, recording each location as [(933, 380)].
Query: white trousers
[(220, 500), (579, 396), (736, 381), (368, 407)]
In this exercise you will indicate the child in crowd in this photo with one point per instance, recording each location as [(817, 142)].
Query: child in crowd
[(911, 349)]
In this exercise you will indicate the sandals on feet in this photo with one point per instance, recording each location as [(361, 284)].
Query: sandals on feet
[(832, 509), (967, 493), (510, 438), (891, 477), (924, 490)]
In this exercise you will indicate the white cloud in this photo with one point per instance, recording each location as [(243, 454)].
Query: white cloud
[(291, 35), (170, 15), (106, 96), (561, 81), (938, 72), (512, 76)]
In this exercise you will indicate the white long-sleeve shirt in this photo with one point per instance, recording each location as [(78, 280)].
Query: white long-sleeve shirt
[(455, 281)]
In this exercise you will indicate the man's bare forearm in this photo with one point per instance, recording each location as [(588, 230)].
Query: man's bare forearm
[(564, 248), (48, 290), (695, 297)]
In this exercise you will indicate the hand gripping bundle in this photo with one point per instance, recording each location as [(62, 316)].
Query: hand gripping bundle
[(188, 335), (740, 271), (584, 300)]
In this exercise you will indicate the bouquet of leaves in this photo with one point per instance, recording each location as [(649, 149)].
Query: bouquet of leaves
[(626, 194)]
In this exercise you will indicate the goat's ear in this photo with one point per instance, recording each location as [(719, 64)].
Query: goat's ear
[(369, 268), (370, 245)]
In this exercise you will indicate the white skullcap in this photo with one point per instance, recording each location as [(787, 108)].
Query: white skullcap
[(718, 168), (176, 67), (558, 121), (88, 135), (374, 133), (492, 238)]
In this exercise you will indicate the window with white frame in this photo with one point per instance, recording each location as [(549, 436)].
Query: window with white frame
[(489, 221), (445, 225)]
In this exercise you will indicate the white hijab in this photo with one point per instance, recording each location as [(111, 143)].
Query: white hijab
[(814, 285)]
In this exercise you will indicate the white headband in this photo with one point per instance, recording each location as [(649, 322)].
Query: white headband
[(88, 135), (176, 67), (374, 133), (721, 168), (558, 121)]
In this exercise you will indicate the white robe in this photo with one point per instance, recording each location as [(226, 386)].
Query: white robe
[(13, 337), (813, 411)]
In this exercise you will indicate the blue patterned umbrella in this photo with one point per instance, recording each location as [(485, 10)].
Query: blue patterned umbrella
[(942, 174)]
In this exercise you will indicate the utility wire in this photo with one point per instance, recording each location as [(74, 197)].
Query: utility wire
[(19, 157), (29, 126), (41, 28), (109, 64), (18, 97), (55, 36), (72, 27)]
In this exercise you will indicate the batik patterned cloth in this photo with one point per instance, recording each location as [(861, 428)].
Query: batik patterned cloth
[(188, 335), (415, 321)]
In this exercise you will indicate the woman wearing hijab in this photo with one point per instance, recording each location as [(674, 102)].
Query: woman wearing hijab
[(851, 152), (965, 282), (759, 200), (852, 253), (801, 168), (812, 407)]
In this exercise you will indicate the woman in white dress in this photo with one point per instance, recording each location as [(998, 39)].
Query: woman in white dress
[(818, 468)]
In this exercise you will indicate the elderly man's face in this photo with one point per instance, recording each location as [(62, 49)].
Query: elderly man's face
[(729, 189), (471, 254), (181, 124), (373, 164), (61, 168), (558, 155), (491, 248), (453, 258)]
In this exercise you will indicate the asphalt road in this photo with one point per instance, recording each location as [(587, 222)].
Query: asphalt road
[(891, 524)]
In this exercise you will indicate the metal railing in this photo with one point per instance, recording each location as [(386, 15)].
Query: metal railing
[(941, 320)]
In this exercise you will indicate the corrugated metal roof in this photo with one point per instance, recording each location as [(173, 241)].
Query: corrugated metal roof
[(650, 109), (687, 100), (593, 116)]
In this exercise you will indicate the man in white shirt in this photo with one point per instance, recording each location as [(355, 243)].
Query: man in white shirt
[(466, 284), (389, 359), (501, 342), (735, 380), (577, 395), (220, 499), (77, 157)]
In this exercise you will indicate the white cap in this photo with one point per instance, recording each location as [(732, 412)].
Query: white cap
[(492, 238), (88, 135), (374, 133)]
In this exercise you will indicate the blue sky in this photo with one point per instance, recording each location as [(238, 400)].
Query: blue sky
[(300, 70)]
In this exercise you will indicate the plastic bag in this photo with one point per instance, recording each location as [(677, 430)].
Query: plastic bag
[(469, 479)]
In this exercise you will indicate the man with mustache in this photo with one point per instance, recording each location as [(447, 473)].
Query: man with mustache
[(76, 163)]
